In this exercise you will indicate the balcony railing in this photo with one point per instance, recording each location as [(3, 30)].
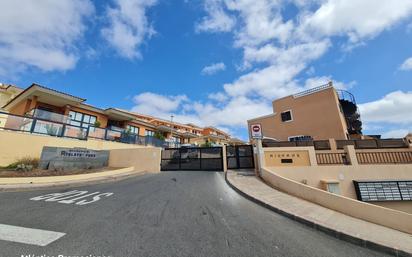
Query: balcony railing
[(51, 116), (36, 125)]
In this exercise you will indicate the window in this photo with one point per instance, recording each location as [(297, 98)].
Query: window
[(333, 187), (81, 119), (133, 129), (149, 133), (286, 116), (175, 139)]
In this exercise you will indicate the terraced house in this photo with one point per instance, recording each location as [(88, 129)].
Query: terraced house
[(42, 110)]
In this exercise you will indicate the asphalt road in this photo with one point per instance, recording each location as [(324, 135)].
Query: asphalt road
[(168, 214)]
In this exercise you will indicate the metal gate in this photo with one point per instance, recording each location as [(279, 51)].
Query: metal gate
[(240, 157), (192, 158)]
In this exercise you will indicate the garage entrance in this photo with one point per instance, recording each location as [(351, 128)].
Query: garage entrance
[(192, 158)]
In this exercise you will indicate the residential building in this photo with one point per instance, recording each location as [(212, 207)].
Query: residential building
[(318, 113), (61, 114), (213, 136), (8, 92), (377, 171)]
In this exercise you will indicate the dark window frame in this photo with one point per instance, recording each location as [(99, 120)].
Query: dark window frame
[(283, 118), (81, 121)]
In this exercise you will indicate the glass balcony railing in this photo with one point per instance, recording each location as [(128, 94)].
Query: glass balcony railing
[(40, 125), (51, 116)]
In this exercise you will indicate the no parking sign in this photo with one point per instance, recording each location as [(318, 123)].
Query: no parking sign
[(256, 130)]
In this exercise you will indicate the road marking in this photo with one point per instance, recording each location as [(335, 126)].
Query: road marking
[(28, 235), (72, 197)]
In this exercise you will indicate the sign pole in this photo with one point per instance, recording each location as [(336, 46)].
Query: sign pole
[(256, 132)]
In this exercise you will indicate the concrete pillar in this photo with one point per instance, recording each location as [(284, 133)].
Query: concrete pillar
[(260, 154), (33, 103), (224, 158), (332, 143), (312, 156), (351, 153)]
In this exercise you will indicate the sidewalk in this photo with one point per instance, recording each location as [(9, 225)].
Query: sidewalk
[(31, 183), (339, 225)]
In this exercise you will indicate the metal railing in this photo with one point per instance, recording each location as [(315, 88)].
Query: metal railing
[(401, 157), (346, 95), (41, 126), (36, 125), (332, 159), (312, 90)]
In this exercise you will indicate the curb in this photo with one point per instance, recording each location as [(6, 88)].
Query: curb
[(74, 183), (331, 232)]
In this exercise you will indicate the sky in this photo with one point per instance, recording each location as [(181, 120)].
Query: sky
[(214, 62)]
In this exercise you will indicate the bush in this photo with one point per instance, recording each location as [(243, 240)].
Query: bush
[(25, 161)]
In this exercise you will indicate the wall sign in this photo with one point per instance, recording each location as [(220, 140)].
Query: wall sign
[(256, 130), (63, 158)]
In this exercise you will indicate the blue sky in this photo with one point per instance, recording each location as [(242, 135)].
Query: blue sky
[(214, 62)]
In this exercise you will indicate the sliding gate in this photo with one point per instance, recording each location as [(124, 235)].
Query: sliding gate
[(240, 157), (192, 158)]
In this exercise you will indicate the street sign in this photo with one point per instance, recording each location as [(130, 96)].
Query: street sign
[(256, 130)]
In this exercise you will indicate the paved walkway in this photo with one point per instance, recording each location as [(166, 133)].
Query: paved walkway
[(334, 223)]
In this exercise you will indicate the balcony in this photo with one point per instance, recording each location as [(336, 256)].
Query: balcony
[(51, 116), (38, 125)]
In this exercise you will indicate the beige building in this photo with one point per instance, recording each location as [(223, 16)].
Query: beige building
[(42, 110), (8, 92), (369, 181), (318, 113)]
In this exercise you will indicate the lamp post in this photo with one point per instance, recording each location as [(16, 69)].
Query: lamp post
[(171, 127)]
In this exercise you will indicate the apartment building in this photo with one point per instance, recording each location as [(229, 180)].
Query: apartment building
[(59, 113), (315, 114), (7, 92)]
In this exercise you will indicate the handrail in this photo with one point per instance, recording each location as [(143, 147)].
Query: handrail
[(344, 95), (313, 90)]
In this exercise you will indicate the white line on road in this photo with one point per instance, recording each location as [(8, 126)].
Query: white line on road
[(28, 235)]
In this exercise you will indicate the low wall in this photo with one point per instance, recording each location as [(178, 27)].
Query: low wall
[(15, 145), (345, 174), (143, 159), (376, 214)]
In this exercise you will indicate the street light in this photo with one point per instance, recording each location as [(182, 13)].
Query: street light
[(171, 127)]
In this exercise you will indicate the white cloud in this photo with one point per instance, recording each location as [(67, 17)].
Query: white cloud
[(356, 19), (406, 65), (213, 68), (217, 20), (394, 107), (128, 26), (41, 34), (219, 97), (261, 22), (396, 133), (157, 105), (317, 81), (270, 82), (293, 54), (233, 113)]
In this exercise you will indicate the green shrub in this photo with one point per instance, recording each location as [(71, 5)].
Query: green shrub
[(25, 161)]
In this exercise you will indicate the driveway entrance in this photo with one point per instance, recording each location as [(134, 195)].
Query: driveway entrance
[(192, 158)]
